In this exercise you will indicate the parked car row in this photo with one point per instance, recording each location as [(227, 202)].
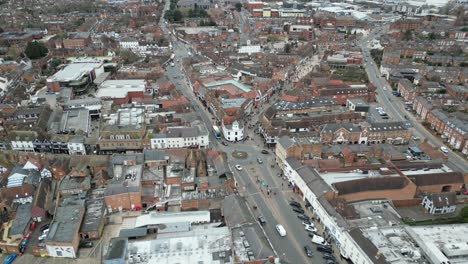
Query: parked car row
[(322, 245)]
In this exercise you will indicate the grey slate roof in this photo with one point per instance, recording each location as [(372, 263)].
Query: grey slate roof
[(20, 223)]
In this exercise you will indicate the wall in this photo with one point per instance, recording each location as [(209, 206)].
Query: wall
[(125, 200), (455, 187), (408, 192)]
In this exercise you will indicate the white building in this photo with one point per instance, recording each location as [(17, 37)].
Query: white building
[(233, 132), (313, 188), (440, 203), (76, 146), (140, 48), (118, 89), (3, 86), (20, 145), (182, 137)]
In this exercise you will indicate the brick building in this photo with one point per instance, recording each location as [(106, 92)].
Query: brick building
[(340, 91), (124, 190), (376, 188), (365, 133)]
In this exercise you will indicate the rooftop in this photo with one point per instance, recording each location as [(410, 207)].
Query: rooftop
[(120, 88), (318, 101), (203, 244), (67, 220), (73, 72), (239, 85), (442, 243)]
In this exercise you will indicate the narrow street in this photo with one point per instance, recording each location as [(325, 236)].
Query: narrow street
[(395, 108)]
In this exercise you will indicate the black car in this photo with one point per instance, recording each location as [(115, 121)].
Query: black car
[(303, 217), (44, 227), (295, 204), (298, 210), (325, 249), (86, 244), (261, 220), (308, 251), (328, 256), (265, 151)]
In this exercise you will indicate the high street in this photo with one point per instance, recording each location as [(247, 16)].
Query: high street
[(274, 208), (395, 107)]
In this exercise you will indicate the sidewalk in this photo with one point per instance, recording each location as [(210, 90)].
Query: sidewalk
[(320, 229)]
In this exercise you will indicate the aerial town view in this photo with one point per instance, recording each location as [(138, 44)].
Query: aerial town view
[(233, 131)]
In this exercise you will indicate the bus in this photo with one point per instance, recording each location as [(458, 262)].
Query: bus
[(217, 132)]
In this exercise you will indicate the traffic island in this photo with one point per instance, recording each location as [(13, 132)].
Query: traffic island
[(239, 154)]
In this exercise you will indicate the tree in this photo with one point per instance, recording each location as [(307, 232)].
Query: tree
[(13, 52), (238, 7), (128, 56), (35, 50), (178, 15), (408, 35), (433, 35), (287, 48)]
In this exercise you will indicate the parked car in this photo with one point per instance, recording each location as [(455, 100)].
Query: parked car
[(265, 151), (24, 242), (303, 217), (308, 251), (261, 220), (86, 244), (329, 261), (9, 259), (238, 167), (294, 203), (306, 222), (311, 228), (44, 227), (444, 149), (259, 160), (298, 210), (32, 226), (319, 240), (224, 143), (323, 248), (328, 256)]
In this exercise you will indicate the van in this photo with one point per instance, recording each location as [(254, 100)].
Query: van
[(281, 230), (319, 240)]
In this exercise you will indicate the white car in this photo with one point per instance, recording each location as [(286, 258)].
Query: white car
[(444, 149), (238, 167), (311, 228), (385, 88)]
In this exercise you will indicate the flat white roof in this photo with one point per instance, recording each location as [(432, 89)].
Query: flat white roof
[(73, 72), (120, 88), (433, 239), (157, 218), (204, 244)]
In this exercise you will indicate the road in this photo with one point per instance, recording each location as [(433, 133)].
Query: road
[(396, 109), (275, 208)]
